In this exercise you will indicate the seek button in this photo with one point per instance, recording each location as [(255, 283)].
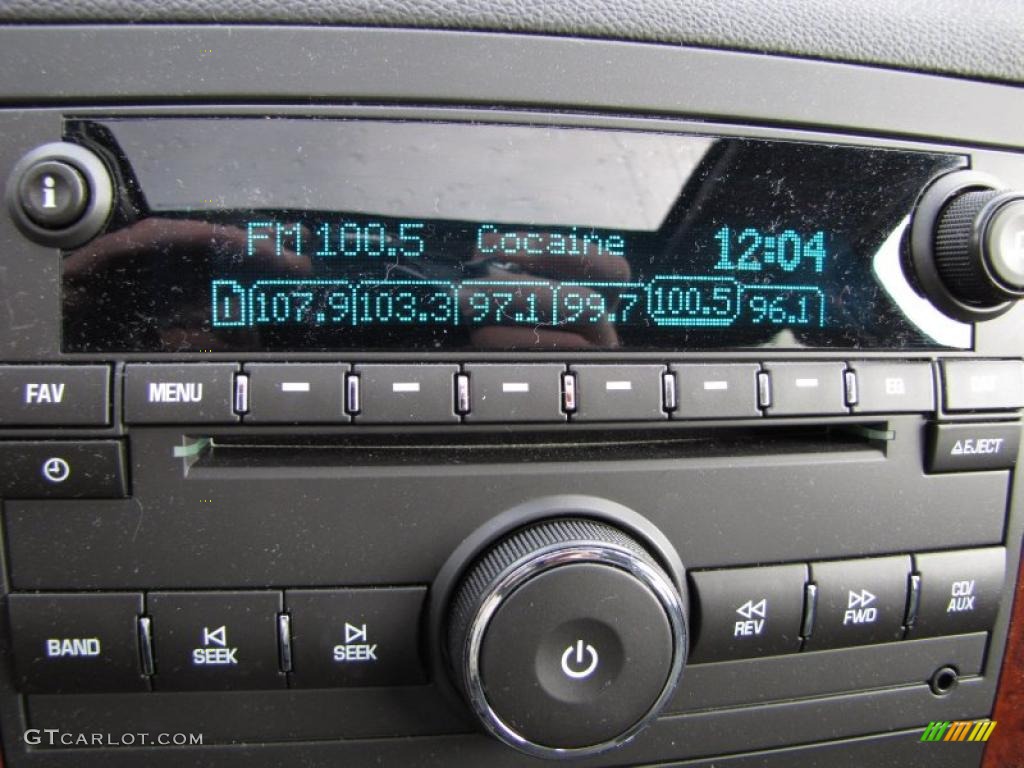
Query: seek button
[(355, 637)]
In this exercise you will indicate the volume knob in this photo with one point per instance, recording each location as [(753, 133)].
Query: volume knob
[(567, 638), (967, 245)]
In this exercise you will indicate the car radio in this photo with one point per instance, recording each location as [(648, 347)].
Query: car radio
[(378, 434)]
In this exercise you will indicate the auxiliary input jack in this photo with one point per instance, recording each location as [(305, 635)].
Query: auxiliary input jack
[(944, 680)]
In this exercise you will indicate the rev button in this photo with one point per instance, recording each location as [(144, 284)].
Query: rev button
[(179, 394), (748, 612)]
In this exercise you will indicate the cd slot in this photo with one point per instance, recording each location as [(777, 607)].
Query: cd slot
[(255, 453)]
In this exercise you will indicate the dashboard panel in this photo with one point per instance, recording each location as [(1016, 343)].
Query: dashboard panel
[(670, 440)]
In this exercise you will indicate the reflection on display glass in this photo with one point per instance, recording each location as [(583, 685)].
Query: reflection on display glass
[(313, 235)]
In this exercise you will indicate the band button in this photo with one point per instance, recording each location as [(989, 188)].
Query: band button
[(68, 643), (354, 637)]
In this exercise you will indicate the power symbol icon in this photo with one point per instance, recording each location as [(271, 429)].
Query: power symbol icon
[(575, 657)]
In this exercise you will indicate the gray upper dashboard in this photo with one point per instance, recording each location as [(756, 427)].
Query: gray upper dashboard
[(983, 39)]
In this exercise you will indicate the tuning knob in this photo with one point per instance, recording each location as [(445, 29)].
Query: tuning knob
[(566, 638), (967, 246)]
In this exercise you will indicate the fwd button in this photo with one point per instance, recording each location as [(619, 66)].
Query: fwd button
[(859, 601)]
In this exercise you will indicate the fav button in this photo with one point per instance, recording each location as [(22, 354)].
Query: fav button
[(859, 601), (959, 591), (748, 612), (200, 393), (355, 637), (215, 640), (54, 395), (68, 643)]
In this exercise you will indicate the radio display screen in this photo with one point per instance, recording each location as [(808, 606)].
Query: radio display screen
[(303, 235)]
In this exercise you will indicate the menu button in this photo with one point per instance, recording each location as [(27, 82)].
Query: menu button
[(200, 393)]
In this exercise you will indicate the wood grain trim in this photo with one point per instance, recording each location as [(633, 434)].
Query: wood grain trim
[(1006, 748)]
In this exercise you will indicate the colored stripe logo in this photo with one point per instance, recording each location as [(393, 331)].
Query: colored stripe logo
[(959, 730)]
